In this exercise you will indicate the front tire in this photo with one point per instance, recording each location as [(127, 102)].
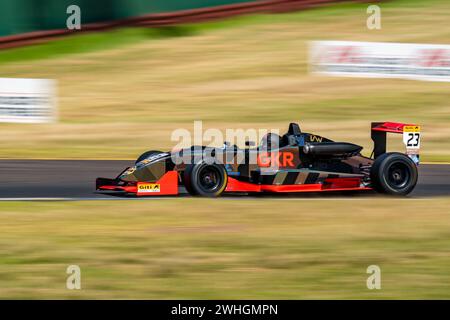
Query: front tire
[(206, 180), (394, 173)]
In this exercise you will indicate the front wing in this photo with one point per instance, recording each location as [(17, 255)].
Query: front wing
[(169, 183), (166, 185)]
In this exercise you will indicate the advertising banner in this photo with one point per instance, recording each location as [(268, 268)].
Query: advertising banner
[(381, 60), (27, 100)]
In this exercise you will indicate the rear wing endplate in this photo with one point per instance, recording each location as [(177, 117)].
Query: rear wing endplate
[(411, 137)]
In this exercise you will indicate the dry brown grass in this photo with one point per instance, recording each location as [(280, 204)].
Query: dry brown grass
[(222, 249), (119, 102)]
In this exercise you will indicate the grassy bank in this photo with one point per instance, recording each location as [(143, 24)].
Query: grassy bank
[(247, 72), (267, 248)]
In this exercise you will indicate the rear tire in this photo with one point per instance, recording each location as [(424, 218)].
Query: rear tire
[(394, 173), (206, 180), (146, 155)]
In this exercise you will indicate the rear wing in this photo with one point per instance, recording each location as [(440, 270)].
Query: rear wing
[(411, 138)]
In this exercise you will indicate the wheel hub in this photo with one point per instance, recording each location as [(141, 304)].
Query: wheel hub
[(209, 179), (398, 175)]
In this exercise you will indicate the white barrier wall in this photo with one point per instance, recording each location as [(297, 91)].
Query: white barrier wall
[(380, 60), (27, 100)]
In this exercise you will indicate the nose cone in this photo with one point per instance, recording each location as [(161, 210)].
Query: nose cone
[(147, 170)]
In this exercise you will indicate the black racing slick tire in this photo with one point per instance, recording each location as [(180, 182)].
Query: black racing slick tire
[(394, 173), (206, 180), (146, 155)]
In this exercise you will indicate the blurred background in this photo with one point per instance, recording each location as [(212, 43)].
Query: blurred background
[(139, 69), (237, 71), (38, 15)]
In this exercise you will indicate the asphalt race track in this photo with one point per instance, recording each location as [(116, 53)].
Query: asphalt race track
[(75, 179)]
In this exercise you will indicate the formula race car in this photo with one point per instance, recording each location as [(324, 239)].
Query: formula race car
[(294, 162)]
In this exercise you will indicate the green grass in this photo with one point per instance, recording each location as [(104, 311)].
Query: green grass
[(85, 43), (221, 249)]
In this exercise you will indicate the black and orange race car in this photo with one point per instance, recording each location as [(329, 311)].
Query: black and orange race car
[(294, 162)]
